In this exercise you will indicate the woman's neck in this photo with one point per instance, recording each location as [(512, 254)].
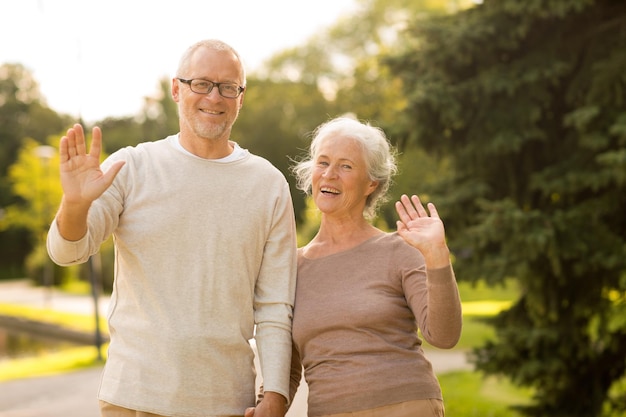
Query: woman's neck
[(337, 236)]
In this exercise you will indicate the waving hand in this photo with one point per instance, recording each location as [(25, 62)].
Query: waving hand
[(422, 230), (81, 177)]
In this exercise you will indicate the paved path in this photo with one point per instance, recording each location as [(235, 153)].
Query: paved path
[(74, 394)]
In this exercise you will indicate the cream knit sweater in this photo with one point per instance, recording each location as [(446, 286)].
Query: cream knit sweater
[(204, 252)]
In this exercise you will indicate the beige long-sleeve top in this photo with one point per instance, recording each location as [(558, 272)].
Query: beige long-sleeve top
[(355, 325), (204, 251)]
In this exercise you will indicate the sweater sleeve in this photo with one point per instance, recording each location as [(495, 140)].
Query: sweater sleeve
[(442, 326), (274, 298), (433, 297), (64, 252), (295, 378)]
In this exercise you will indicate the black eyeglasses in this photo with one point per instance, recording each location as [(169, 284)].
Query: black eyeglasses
[(200, 86)]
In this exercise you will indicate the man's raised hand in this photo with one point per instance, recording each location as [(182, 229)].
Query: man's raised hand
[(81, 177)]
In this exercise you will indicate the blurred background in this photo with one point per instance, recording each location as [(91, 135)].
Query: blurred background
[(509, 115)]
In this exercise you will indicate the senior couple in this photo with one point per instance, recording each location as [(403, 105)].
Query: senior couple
[(206, 260)]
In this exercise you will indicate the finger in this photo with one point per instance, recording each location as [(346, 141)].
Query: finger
[(421, 211), (109, 176), (63, 151), (70, 139), (433, 210), (402, 213), (408, 206), (79, 139), (96, 142)]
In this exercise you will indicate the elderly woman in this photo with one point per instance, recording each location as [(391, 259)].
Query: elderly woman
[(362, 293)]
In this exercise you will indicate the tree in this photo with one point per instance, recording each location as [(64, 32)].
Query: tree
[(278, 129), (341, 64), (36, 184), (160, 113), (23, 114), (529, 101)]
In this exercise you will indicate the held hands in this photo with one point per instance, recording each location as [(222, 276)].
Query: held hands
[(81, 177), (423, 231), (272, 405)]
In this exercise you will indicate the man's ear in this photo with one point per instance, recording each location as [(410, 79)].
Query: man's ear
[(243, 93), (175, 89)]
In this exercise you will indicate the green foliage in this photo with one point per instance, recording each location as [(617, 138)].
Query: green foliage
[(470, 395), (418, 173), (36, 182), (310, 224), (23, 114), (279, 129), (528, 101)]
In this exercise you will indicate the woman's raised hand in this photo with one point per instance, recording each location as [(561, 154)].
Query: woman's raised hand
[(422, 230)]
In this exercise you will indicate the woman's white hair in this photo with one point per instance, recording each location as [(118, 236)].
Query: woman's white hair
[(380, 157)]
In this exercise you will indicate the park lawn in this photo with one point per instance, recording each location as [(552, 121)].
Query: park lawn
[(50, 363), (74, 321), (469, 394)]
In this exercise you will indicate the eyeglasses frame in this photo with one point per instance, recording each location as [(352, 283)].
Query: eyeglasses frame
[(240, 89)]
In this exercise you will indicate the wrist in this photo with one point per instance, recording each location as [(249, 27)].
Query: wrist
[(72, 219), (275, 402), (437, 257), (275, 397)]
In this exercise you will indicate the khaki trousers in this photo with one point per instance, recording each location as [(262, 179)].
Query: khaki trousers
[(110, 410), (418, 408)]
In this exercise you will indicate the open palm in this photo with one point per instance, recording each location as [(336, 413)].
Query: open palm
[(81, 177), (416, 226)]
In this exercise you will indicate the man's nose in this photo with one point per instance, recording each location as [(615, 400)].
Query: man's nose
[(214, 93)]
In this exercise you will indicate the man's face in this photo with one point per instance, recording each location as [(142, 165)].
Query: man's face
[(208, 116)]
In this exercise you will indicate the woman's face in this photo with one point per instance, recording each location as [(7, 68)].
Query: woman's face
[(340, 181)]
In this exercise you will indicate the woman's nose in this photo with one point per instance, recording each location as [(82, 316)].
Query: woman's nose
[(329, 172)]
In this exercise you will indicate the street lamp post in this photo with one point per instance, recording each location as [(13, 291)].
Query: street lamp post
[(95, 268), (45, 154)]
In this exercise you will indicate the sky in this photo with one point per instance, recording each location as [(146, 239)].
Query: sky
[(99, 58)]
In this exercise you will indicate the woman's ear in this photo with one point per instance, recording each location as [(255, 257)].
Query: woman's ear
[(372, 187)]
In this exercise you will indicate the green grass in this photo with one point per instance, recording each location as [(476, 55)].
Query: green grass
[(481, 292), (50, 363), (70, 320), (468, 394)]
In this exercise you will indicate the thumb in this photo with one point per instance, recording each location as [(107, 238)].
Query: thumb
[(112, 172)]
